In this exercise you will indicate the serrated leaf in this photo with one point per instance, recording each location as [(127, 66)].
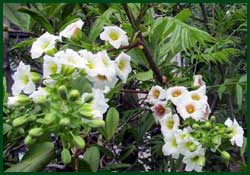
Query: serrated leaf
[(35, 159), (92, 157), (144, 76), (239, 95), (112, 122), (39, 18)]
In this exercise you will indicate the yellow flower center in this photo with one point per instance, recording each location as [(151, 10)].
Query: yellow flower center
[(176, 93), (156, 93), (170, 124), (122, 65), (45, 45), (174, 143), (102, 77), (114, 36), (53, 68), (25, 79), (190, 108), (105, 61), (195, 97), (90, 65)]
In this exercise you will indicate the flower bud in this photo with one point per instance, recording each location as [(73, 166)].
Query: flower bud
[(195, 126), (50, 118), (86, 111), (29, 140), (216, 128), (212, 119), (83, 72), (35, 77), (88, 98), (201, 161), (225, 155), (192, 147), (67, 70), (36, 132), (51, 52), (64, 122), (74, 95), (230, 135), (21, 131), (229, 130), (65, 156), (216, 140), (19, 121), (96, 123), (207, 125), (78, 141), (62, 90)]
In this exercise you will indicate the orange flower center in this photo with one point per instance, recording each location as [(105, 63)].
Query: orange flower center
[(176, 93), (190, 108), (195, 97), (156, 93)]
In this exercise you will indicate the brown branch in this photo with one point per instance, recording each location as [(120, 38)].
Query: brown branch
[(134, 91), (204, 13), (125, 47), (9, 30)]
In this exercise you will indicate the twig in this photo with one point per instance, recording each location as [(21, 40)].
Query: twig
[(134, 91), (9, 30), (125, 47), (204, 13)]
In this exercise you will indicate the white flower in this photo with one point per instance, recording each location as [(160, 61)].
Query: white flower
[(198, 95), (171, 146), (71, 29), (102, 82), (237, 133), (176, 93), (71, 58), (195, 161), (169, 123), (91, 62), (156, 94), (45, 43), (51, 65), (39, 95), (99, 104), (198, 81), (160, 110), (188, 145), (123, 67), (105, 66), (23, 80), (115, 36), (188, 108)]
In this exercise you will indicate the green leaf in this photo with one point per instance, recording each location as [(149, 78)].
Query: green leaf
[(221, 90), (184, 15), (243, 79), (112, 122), (239, 95), (35, 159), (24, 43), (145, 124), (137, 56), (81, 83), (144, 76), (97, 27), (92, 157), (243, 148), (39, 18), (19, 19), (6, 128)]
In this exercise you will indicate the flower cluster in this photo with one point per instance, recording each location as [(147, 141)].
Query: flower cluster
[(72, 87), (197, 133)]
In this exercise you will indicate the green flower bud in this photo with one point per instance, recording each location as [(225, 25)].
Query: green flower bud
[(19, 121), (216, 128), (229, 130), (74, 95), (207, 125), (64, 121), (29, 140), (21, 130), (88, 98), (78, 141), (83, 72), (35, 77), (212, 119), (65, 156), (86, 111), (221, 130), (195, 126), (96, 123), (50, 118), (225, 155), (230, 135), (36, 132), (216, 140), (62, 90), (67, 70)]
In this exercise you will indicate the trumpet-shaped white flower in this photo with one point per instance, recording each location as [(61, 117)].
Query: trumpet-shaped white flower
[(115, 36), (188, 108), (176, 93), (160, 110), (171, 146), (99, 104), (71, 58), (237, 132), (51, 65), (71, 29), (23, 80), (123, 67), (195, 161), (198, 95), (102, 82), (156, 94), (188, 145), (91, 62), (45, 43), (39, 95), (169, 123), (198, 81)]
